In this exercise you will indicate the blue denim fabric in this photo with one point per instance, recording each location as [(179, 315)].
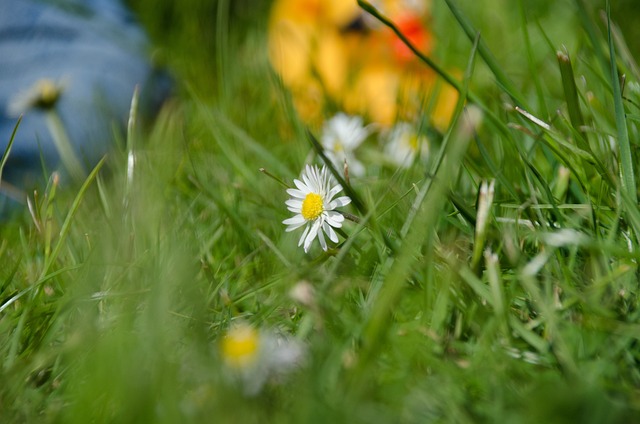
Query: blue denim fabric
[(96, 52)]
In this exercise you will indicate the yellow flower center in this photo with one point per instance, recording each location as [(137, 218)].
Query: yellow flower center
[(414, 142), (312, 206), (240, 346), (47, 94)]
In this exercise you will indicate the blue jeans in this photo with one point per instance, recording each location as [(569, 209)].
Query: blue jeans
[(93, 54)]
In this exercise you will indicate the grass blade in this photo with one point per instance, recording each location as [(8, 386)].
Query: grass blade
[(422, 225), (627, 176), (571, 93), (486, 54), (468, 94), (7, 150), (66, 226)]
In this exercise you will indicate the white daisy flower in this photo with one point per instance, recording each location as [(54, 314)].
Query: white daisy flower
[(341, 135), (404, 143), (254, 357), (312, 202), (43, 94)]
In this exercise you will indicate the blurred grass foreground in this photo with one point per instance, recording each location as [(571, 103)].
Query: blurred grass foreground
[(378, 212)]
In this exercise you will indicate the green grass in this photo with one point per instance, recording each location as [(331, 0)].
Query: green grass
[(115, 294)]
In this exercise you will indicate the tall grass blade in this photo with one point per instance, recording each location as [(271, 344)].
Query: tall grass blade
[(542, 105), (501, 77), (627, 176), (7, 150), (66, 225), (571, 93), (592, 33), (422, 227)]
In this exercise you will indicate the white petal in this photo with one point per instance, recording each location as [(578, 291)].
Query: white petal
[(296, 193), (320, 178), (335, 190), (294, 203), (328, 180), (335, 219), (293, 227), (328, 140), (294, 220), (332, 234), (322, 241), (304, 235), (309, 178), (303, 188), (340, 201), (313, 232), (357, 138)]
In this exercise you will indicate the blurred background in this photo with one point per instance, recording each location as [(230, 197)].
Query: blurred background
[(116, 308), (197, 23)]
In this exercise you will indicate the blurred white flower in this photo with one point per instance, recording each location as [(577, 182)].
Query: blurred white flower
[(404, 144), (304, 293), (253, 357), (312, 202), (43, 94), (240, 346), (341, 135)]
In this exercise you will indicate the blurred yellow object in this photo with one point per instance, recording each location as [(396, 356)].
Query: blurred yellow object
[(240, 346), (333, 57)]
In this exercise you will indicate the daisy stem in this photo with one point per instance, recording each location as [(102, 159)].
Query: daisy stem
[(63, 145), (269, 174), (351, 217)]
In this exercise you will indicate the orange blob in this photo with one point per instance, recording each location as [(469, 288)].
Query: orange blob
[(333, 58), (413, 28)]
